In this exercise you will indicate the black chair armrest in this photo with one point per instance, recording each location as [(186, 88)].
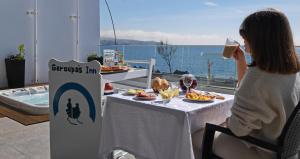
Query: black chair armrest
[(209, 134)]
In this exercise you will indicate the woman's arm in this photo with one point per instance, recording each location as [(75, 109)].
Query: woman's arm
[(241, 64), (253, 108)]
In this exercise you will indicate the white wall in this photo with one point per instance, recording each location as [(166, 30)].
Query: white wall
[(89, 28), (56, 33), (16, 28)]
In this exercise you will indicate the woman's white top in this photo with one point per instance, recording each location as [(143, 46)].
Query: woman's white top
[(263, 103)]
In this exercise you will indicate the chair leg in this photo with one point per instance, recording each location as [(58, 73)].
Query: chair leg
[(111, 155), (207, 144), (216, 157)]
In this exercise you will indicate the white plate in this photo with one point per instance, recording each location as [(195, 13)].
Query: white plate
[(144, 98), (198, 101), (128, 94)]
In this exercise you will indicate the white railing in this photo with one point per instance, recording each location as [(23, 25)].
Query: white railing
[(206, 62)]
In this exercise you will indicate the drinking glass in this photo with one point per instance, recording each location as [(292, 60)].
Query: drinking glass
[(229, 48), (188, 81)]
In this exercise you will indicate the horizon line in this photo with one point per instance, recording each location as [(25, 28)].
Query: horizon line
[(298, 45)]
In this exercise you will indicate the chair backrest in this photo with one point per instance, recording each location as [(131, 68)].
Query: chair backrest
[(290, 136)]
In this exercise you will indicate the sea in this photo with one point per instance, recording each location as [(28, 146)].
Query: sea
[(194, 59)]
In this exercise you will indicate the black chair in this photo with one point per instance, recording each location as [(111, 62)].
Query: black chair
[(288, 143)]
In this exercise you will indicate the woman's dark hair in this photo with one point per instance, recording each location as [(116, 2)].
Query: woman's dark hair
[(270, 39)]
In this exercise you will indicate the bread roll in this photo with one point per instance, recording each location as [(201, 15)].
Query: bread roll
[(164, 84), (156, 83)]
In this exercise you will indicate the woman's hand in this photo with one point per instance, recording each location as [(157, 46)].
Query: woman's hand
[(238, 55), (241, 64)]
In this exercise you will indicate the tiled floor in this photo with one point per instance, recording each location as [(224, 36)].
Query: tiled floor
[(30, 142), (24, 142)]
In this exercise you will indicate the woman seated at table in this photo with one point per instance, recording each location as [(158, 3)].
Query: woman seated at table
[(268, 88)]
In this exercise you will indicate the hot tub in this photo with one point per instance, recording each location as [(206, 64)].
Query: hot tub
[(33, 100)]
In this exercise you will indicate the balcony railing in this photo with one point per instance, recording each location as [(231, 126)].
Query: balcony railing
[(205, 62)]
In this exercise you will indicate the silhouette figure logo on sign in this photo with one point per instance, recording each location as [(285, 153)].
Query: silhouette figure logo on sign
[(73, 113)]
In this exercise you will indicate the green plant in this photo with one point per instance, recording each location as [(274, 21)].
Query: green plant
[(94, 56), (20, 56), (21, 49)]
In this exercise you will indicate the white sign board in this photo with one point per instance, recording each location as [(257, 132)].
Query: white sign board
[(75, 109)]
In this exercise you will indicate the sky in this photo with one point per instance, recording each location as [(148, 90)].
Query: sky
[(188, 22)]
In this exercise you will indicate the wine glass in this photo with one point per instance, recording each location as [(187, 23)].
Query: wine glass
[(188, 81)]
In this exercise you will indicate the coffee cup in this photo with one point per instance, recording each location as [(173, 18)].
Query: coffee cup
[(230, 47)]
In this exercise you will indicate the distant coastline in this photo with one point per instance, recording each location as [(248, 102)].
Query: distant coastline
[(110, 41), (105, 41)]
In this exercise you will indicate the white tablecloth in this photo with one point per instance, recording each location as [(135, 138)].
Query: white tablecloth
[(151, 130)]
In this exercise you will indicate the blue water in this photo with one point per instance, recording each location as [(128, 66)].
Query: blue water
[(193, 59), (41, 99)]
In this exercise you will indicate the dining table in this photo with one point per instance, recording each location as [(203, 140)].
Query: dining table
[(152, 129)]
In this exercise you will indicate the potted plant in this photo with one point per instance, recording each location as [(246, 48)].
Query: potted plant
[(94, 56), (15, 68)]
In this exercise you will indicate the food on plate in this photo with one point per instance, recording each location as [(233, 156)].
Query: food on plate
[(170, 93), (216, 95), (200, 97), (113, 68), (220, 97), (175, 92), (108, 88), (139, 90), (159, 84), (116, 68), (165, 95), (146, 95), (142, 94), (124, 67), (131, 91), (134, 91), (105, 68), (212, 94)]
